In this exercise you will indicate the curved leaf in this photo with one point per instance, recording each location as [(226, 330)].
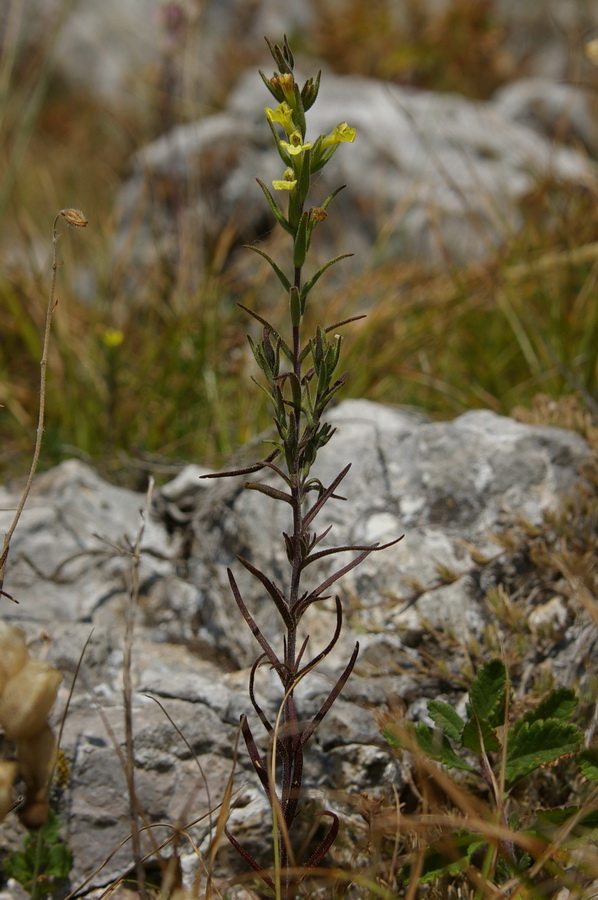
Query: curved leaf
[(488, 695), (447, 718), (540, 743)]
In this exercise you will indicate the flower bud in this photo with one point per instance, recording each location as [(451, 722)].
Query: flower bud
[(8, 773), (74, 217), (309, 92), (285, 84), (37, 757), (28, 698), (13, 652), (34, 812)]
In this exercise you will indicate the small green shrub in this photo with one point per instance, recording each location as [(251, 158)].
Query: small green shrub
[(499, 754), (45, 862)]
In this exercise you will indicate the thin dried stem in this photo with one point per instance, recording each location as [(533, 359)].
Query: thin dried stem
[(75, 218), (128, 697)]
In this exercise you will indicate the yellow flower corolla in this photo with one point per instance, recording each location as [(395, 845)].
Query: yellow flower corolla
[(294, 145), (112, 337), (283, 115), (342, 134), (287, 183)]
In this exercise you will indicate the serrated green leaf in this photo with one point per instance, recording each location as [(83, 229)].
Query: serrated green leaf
[(559, 704), (60, 860), (447, 718), (450, 759), (561, 815), (428, 742), (587, 761), (447, 856), (391, 738), (17, 866), (487, 698), (536, 744), (435, 745), (479, 737)]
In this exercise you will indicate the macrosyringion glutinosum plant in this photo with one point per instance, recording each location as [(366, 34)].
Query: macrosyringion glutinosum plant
[(300, 382)]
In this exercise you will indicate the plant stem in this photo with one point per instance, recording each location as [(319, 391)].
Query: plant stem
[(42, 409)]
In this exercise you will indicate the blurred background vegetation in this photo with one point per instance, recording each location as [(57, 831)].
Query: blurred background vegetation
[(159, 381)]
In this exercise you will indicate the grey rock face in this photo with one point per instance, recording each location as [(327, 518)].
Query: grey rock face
[(439, 483), (560, 111)]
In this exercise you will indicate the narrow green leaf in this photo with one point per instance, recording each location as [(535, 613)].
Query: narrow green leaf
[(334, 356), (263, 388), (283, 345), (278, 214), (540, 743), (300, 243), (329, 199), (295, 302), (447, 718), (269, 491), (281, 276), (309, 284), (336, 325), (487, 698)]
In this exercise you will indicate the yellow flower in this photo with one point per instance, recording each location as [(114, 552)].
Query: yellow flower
[(287, 183), (112, 337), (283, 115), (342, 134), (294, 145)]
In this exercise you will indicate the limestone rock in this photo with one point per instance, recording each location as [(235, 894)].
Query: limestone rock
[(438, 483), (70, 571)]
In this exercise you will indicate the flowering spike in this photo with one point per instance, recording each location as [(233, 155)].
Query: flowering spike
[(300, 391)]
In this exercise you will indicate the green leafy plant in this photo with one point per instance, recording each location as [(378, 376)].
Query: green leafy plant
[(44, 862), (500, 755), (300, 382)]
